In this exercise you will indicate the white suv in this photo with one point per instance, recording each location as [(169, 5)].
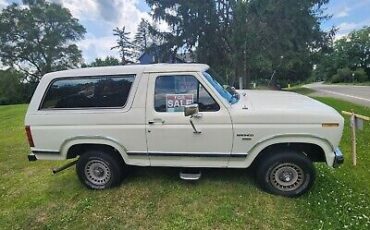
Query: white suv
[(178, 115)]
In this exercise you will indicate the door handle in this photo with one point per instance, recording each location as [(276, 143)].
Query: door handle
[(156, 120)]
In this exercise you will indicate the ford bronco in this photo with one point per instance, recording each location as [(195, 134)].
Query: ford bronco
[(178, 115)]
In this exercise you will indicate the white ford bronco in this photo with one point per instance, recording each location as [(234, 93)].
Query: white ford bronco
[(178, 115)]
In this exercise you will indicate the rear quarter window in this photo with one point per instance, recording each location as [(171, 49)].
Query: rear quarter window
[(88, 92)]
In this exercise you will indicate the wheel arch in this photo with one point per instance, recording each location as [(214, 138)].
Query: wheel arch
[(315, 148), (71, 147)]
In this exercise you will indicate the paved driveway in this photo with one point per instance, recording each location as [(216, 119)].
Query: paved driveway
[(356, 94)]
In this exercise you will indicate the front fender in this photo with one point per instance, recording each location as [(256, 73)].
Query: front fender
[(262, 144)]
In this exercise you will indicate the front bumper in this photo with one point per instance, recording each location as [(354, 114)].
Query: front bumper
[(338, 158), (31, 157)]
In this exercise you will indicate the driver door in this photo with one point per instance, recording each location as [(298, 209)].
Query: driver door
[(171, 140)]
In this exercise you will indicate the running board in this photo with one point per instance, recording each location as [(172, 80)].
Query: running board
[(190, 174)]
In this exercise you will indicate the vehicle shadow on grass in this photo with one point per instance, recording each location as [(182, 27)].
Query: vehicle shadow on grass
[(208, 174), (158, 175)]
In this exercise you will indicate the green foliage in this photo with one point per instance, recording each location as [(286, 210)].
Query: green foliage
[(13, 89), (360, 75), (342, 75), (252, 39), (124, 45), (108, 61), (143, 38), (37, 37), (351, 51), (347, 75), (10, 87)]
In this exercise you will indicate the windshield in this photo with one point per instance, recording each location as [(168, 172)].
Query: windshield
[(219, 88)]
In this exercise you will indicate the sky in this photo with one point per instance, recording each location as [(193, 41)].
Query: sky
[(100, 17)]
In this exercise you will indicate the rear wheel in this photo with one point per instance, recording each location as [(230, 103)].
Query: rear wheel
[(97, 169), (286, 173)]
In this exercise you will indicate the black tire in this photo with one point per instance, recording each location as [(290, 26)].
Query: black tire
[(285, 173), (98, 169)]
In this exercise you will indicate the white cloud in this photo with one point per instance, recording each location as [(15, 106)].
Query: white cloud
[(81, 8), (114, 13), (342, 12), (346, 27), (3, 4), (93, 47)]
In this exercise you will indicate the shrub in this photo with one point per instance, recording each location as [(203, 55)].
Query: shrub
[(345, 74), (360, 75), (335, 79), (342, 75), (10, 87)]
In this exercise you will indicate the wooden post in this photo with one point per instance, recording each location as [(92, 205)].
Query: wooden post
[(353, 118), (353, 132)]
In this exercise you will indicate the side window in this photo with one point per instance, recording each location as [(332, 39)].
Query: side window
[(172, 93), (88, 92)]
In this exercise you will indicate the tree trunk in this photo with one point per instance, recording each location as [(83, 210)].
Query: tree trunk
[(247, 77), (238, 72)]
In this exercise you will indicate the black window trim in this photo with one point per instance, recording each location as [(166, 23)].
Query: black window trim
[(199, 83), (84, 77)]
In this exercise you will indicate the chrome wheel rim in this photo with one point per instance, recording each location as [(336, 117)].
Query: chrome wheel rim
[(97, 172), (287, 177)]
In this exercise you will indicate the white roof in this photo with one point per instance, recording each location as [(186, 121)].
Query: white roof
[(128, 69)]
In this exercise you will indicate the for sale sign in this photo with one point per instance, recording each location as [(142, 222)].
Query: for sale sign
[(176, 102)]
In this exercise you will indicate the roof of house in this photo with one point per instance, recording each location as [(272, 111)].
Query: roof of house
[(186, 57), (128, 69)]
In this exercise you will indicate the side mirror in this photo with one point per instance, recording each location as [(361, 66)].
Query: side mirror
[(191, 110)]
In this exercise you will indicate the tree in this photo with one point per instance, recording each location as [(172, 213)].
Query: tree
[(355, 48), (124, 45), (360, 75), (11, 90), (246, 38), (108, 61), (142, 37), (285, 36), (352, 53), (203, 25), (37, 37)]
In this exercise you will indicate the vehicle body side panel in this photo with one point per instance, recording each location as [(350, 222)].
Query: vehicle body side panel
[(174, 143), (121, 128)]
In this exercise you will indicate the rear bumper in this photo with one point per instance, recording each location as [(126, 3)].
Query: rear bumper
[(338, 158), (32, 157)]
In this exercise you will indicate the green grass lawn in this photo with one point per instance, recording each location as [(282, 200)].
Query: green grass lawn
[(301, 90), (155, 198)]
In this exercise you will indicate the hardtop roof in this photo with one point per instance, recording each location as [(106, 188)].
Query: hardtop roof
[(128, 69)]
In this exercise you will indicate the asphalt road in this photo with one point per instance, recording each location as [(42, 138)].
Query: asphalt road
[(356, 94)]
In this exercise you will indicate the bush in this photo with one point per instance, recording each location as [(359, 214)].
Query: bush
[(335, 79), (360, 75), (11, 90), (345, 75)]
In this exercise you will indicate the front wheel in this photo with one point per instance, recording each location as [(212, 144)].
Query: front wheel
[(287, 173), (97, 169)]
